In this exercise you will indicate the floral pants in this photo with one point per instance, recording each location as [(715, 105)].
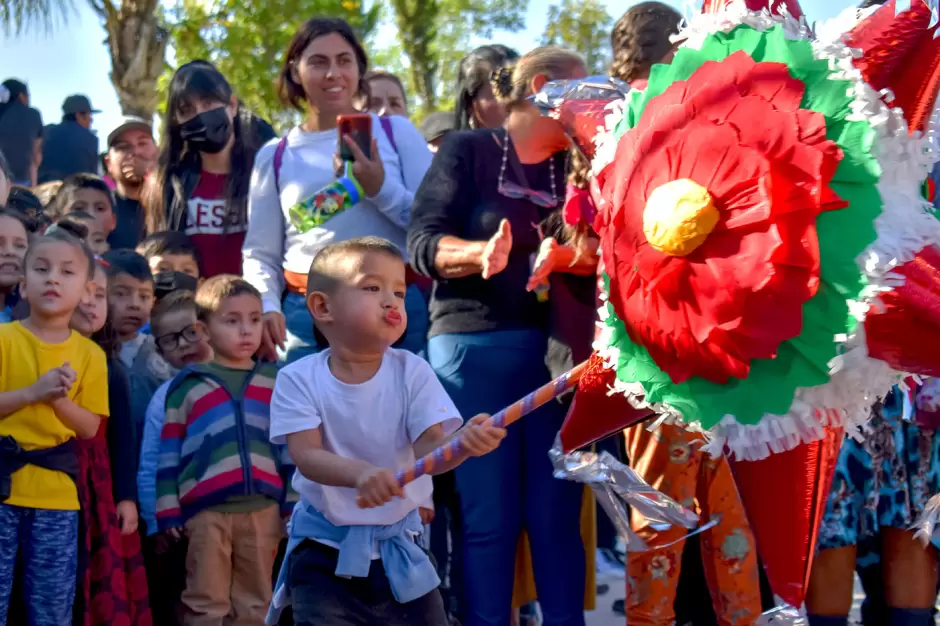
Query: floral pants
[(670, 459)]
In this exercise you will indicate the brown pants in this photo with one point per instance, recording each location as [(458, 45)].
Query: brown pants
[(670, 459), (228, 567)]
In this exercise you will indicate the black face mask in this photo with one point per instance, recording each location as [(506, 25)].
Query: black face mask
[(165, 283), (208, 132)]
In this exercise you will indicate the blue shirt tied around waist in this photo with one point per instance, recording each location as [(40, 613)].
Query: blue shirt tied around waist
[(410, 572)]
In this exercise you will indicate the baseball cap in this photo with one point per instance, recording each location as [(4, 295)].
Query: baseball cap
[(436, 125), (78, 104), (126, 124)]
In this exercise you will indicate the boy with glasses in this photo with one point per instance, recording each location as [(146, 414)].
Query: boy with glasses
[(182, 340)]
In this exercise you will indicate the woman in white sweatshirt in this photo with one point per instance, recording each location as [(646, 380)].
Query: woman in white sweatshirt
[(323, 76)]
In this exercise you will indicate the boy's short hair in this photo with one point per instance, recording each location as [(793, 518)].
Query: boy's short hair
[(70, 185), (179, 300), (326, 269), (127, 262), (210, 295), (167, 242)]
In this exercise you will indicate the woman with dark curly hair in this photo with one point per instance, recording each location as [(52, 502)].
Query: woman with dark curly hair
[(640, 38)]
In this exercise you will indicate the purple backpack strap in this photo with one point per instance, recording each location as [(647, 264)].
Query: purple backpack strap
[(278, 161), (387, 127)]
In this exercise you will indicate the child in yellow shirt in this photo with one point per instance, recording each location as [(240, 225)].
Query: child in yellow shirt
[(53, 387)]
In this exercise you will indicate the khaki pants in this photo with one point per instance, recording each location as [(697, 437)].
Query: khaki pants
[(229, 566)]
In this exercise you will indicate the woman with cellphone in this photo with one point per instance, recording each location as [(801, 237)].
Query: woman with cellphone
[(323, 77)]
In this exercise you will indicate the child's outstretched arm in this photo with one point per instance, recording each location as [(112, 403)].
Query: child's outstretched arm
[(477, 437)]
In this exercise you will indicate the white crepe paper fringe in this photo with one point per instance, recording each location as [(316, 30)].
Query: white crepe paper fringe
[(903, 229)]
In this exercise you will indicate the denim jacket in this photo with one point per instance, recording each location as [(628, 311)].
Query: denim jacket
[(410, 572)]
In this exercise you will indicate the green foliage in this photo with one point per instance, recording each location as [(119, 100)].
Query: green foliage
[(246, 39), (582, 26), (20, 16), (435, 34)]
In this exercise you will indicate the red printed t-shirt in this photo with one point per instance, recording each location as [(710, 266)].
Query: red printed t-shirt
[(220, 248)]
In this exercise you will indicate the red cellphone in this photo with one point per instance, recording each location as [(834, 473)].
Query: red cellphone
[(359, 127)]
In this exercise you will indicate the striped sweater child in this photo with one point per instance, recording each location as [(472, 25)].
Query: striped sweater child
[(215, 448)]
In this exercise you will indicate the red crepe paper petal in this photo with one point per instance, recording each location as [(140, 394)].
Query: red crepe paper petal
[(578, 206), (903, 328), (740, 294), (582, 119), (900, 53), (594, 414), (792, 6), (784, 497)]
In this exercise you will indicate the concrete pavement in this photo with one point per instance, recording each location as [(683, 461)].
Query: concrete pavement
[(603, 616)]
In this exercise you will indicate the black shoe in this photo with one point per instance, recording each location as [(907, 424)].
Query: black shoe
[(619, 607), (602, 588)]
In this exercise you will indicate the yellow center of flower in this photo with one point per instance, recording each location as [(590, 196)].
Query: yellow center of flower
[(678, 217)]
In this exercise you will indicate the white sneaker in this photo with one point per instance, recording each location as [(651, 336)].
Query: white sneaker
[(607, 564)]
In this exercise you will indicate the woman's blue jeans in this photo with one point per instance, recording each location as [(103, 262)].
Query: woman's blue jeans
[(300, 340), (512, 488)]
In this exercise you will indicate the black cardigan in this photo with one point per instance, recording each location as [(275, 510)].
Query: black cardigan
[(459, 197), (121, 434)]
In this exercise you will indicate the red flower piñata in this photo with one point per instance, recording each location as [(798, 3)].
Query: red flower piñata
[(735, 128)]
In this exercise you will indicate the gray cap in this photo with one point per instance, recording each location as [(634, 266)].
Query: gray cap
[(126, 124), (436, 125), (78, 104)]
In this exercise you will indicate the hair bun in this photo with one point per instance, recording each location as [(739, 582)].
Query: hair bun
[(71, 227), (501, 80)]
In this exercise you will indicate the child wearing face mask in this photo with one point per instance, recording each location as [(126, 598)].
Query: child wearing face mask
[(201, 186), (14, 241), (53, 389), (112, 588)]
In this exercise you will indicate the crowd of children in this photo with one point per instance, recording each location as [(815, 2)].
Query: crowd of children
[(146, 454), (104, 356)]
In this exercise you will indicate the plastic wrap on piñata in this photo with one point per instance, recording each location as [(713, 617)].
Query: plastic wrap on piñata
[(580, 105)]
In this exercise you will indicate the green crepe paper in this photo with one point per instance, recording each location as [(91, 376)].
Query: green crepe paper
[(843, 235)]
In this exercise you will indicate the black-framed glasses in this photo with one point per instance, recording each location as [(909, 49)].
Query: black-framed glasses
[(171, 341)]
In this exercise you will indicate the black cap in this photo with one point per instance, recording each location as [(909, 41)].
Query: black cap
[(436, 125), (78, 104), (127, 124)]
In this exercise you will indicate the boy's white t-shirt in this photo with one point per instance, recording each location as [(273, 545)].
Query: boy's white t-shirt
[(377, 421)]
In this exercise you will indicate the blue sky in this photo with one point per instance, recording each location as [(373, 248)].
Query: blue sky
[(74, 58)]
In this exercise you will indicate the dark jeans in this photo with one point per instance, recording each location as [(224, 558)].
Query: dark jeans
[(447, 542), (512, 488), (166, 578), (320, 598)]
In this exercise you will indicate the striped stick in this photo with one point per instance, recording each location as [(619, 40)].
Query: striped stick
[(504, 418)]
